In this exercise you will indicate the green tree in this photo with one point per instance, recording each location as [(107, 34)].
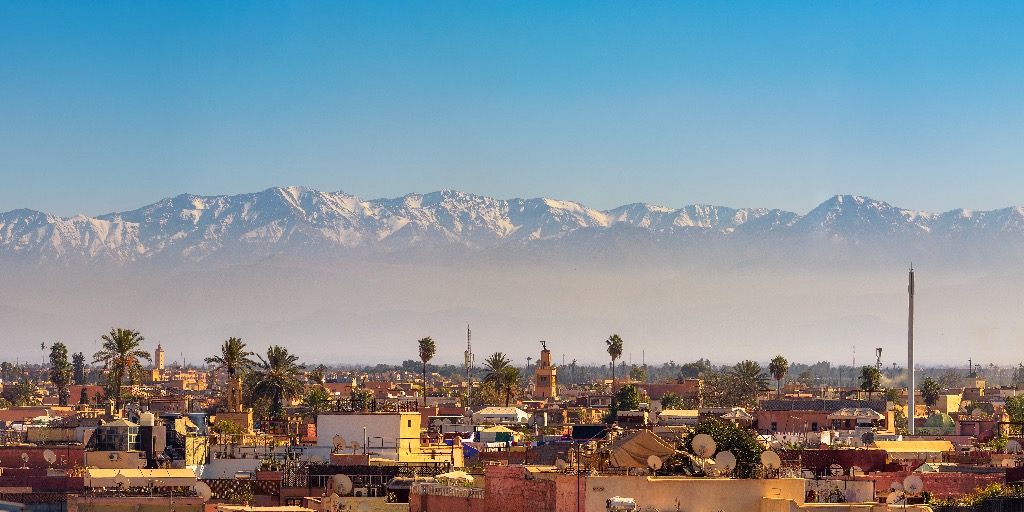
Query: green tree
[(672, 400), (627, 398), (806, 378), (728, 437), (695, 370), (778, 367), (750, 380), (1014, 408), (870, 380), (362, 399), (316, 401), (78, 368), (638, 374), (614, 346), (499, 372), (121, 355), (83, 398), (277, 379), (60, 371), (951, 379), (427, 350), (8, 372), (1018, 376), (930, 391), (21, 393), (319, 375)]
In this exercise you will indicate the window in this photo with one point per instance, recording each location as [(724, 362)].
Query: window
[(410, 424), (775, 426), (814, 426)]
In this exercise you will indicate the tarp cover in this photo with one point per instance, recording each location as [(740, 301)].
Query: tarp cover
[(634, 451)]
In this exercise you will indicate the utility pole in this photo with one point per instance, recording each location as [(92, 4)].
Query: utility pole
[(910, 354)]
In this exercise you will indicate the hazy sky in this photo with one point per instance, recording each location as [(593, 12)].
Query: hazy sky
[(107, 106)]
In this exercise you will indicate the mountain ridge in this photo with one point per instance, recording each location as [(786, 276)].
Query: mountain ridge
[(190, 227)]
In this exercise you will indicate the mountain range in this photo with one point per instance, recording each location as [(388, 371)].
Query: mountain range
[(297, 220)]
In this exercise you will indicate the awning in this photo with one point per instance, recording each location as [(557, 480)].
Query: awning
[(140, 477)]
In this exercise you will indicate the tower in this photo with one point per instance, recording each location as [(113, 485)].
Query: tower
[(545, 375), (470, 359), (158, 356)]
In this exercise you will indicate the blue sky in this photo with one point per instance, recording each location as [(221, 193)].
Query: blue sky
[(107, 106)]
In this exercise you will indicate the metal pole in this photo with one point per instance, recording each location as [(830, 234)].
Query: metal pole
[(910, 355)]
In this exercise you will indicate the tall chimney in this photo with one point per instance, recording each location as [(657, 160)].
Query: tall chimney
[(910, 355)]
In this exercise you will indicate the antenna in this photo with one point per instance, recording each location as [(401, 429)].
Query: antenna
[(913, 484), (835, 469), (50, 457), (24, 458), (910, 353), (470, 359), (770, 460), (654, 462), (561, 464), (342, 484), (1013, 446)]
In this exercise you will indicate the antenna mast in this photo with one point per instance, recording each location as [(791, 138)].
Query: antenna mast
[(910, 354), (470, 359)]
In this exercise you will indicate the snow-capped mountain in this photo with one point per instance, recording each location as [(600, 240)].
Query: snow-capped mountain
[(289, 219)]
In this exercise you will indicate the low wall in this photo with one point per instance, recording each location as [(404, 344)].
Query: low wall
[(692, 494), (940, 485)]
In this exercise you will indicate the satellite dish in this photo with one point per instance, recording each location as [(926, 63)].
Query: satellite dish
[(856, 471), (24, 457), (896, 486), (1013, 446), (703, 445), (654, 462), (771, 460), (339, 442), (560, 464), (835, 469), (725, 461), (977, 413), (204, 490), (895, 498), (913, 484), (50, 456), (355, 446), (342, 484)]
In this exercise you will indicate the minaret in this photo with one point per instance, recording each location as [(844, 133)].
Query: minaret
[(545, 375), (910, 355), (158, 355)]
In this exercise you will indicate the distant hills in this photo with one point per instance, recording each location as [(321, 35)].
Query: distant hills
[(301, 221)]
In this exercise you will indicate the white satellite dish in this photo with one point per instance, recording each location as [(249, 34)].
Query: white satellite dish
[(835, 469), (339, 442), (654, 462), (204, 490), (355, 446), (856, 471), (560, 464), (977, 413), (49, 456), (896, 486), (725, 461), (896, 498), (703, 445), (342, 484), (913, 484), (770, 460), (24, 457), (1013, 446)]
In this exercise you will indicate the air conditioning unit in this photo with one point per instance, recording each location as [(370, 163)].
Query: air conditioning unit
[(114, 456), (361, 492)]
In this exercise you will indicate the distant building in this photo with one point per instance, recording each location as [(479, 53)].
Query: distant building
[(545, 376)]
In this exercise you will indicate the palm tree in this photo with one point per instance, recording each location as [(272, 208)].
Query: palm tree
[(500, 373), (614, 343), (750, 379), (233, 358), (427, 351), (277, 378), (930, 391), (778, 367), (870, 380), (121, 355), (236, 361), (60, 371)]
